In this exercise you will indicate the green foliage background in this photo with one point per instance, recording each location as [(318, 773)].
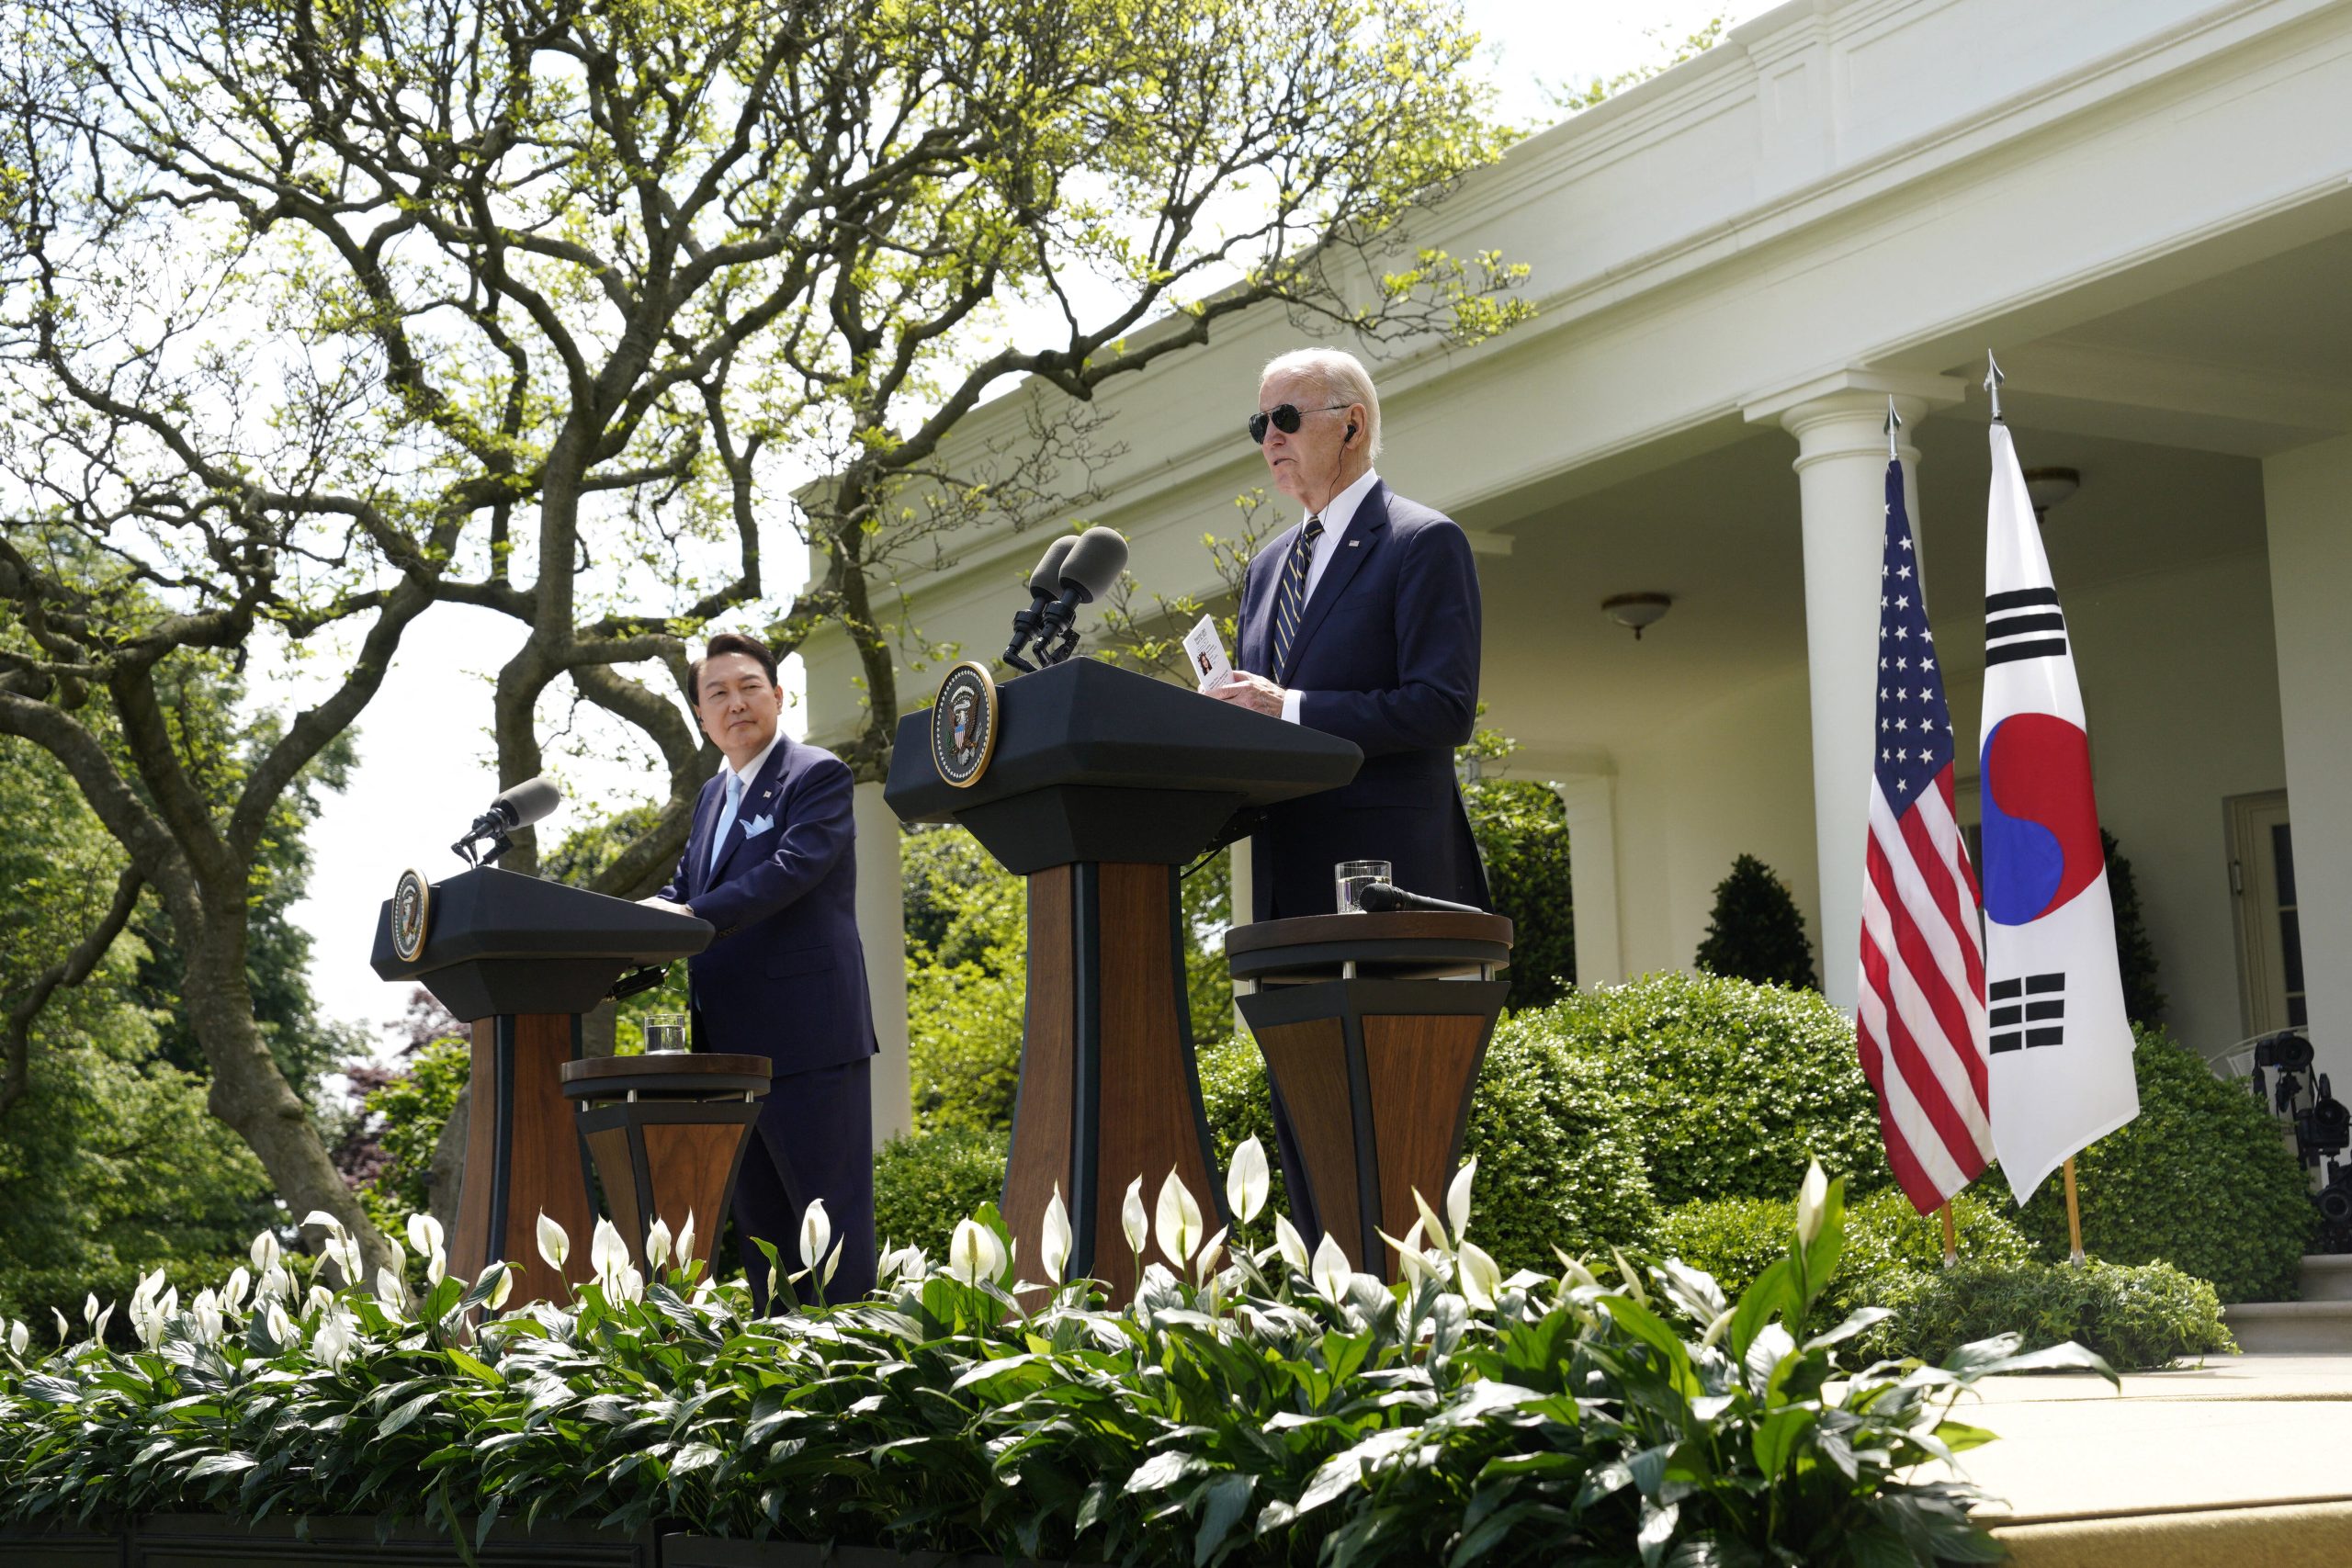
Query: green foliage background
[(2133, 1316), (1736, 1238)]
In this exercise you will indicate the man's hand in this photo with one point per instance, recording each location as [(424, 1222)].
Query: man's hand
[(1252, 691), (666, 907)]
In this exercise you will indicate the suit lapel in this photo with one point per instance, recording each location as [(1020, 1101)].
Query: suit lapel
[(759, 800), (1364, 532)]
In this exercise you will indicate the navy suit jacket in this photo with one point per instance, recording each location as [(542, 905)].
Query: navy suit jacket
[(786, 976), (1386, 655)]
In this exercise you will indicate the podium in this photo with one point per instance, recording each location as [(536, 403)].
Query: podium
[(1374, 1027), (1102, 783), (521, 959)]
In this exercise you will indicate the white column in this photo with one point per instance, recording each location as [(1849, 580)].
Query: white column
[(2307, 495), (882, 928), (1839, 423), (1591, 803)]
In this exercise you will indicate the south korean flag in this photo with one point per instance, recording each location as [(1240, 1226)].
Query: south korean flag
[(2060, 1044)]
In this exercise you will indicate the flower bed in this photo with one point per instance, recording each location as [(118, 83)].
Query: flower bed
[(1267, 1406)]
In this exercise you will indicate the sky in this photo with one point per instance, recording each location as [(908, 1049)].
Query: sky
[(426, 765)]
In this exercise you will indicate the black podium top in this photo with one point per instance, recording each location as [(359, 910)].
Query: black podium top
[(498, 941), (1408, 944), (1094, 762)]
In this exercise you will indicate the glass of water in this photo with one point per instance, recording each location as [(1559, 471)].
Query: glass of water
[(664, 1031), (1351, 877)]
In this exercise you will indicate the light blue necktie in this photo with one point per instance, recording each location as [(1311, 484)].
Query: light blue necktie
[(726, 821)]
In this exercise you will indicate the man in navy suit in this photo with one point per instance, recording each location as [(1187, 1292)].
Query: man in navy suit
[(1362, 622), (769, 862)]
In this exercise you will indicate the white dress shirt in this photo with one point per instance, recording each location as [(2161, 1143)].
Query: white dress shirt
[(751, 770), (1337, 515)]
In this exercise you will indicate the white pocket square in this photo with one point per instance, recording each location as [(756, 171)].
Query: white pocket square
[(753, 827)]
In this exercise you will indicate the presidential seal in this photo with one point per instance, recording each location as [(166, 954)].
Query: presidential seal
[(412, 914), (963, 725)]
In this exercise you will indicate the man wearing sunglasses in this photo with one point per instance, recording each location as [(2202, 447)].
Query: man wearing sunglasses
[(1362, 621)]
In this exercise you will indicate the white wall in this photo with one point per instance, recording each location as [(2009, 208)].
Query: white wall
[(2308, 496)]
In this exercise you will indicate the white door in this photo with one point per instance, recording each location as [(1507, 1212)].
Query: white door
[(2270, 947)]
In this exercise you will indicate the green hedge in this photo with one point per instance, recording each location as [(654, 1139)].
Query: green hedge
[(2201, 1180), (1730, 1087), (924, 1183), (2134, 1316), (1558, 1164), (1736, 1238)]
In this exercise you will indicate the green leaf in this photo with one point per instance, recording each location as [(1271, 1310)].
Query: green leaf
[(1223, 1502), (1777, 1437)]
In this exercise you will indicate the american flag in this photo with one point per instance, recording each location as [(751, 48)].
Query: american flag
[(1920, 1024)]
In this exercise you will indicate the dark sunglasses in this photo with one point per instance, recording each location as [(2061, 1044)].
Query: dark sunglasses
[(1284, 417)]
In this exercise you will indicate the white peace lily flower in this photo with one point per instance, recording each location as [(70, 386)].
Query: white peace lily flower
[(1443, 1243), (208, 1321), (504, 1289), (63, 1329), (1245, 1180), (554, 1245), (349, 1260), (816, 1232), (334, 1340), (1572, 1273), (1205, 1266), (1131, 1217), (424, 1234), (90, 1307), (389, 1291), (1478, 1276), (233, 1295), (1178, 1221), (99, 1329), (627, 1284), (264, 1252), (974, 1253), (1457, 1201), (1053, 1238), (607, 1253), (318, 1300), (281, 1327), (1813, 1204), (1409, 1261), (20, 1337), (657, 1244), (321, 1218), (685, 1250), (1331, 1270), (278, 1283), (1291, 1245)]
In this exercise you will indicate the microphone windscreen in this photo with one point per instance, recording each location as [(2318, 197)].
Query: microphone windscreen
[(527, 801), (1094, 562), (1047, 578)]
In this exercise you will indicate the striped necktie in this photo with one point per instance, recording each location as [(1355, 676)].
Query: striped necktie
[(1292, 602)]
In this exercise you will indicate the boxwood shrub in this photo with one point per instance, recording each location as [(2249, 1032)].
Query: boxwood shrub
[(1736, 1238), (2134, 1316), (1730, 1086), (925, 1182), (2202, 1180), (1558, 1161)]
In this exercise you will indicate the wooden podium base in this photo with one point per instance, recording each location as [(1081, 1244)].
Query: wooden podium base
[(522, 1156), (1378, 1076), (1109, 1092)]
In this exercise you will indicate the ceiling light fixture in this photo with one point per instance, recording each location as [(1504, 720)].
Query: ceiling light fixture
[(1636, 610), (2047, 487)]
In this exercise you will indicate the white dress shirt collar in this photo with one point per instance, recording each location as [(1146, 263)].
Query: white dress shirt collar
[(1337, 515), (751, 770)]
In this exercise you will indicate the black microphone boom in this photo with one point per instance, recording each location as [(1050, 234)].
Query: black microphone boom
[(1092, 565), (1381, 898), (1044, 584), (519, 807)]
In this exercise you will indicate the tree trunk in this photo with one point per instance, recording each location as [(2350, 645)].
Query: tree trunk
[(248, 1092)]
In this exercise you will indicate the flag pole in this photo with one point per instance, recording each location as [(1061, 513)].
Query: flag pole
[(1951, 1236), (2074, 1215)]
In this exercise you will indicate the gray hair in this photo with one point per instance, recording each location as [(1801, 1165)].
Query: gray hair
[(1343, 378)]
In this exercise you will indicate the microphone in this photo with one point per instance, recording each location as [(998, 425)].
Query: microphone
[(1044, 584), (519, 807), (1381, 898), (1092, 565)]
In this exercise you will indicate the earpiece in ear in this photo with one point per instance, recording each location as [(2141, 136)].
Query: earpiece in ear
[(1350, 436)]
